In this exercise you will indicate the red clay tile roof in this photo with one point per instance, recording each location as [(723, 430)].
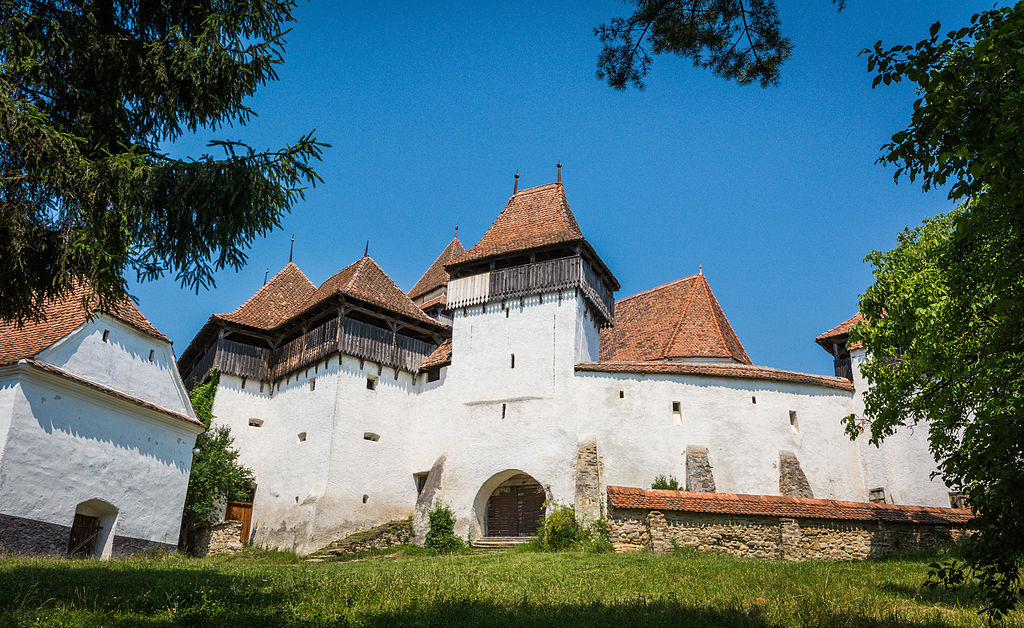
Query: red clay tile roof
[(63, 316), (281, 298), (681, 319), (840, 333), (778, 506), (439, 300), (442, 356), (747, 371), (436, 276), (364, 280), (110, 391), (532, 218)]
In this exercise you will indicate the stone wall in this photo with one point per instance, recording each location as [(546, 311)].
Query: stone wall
[(698, 470), (792, 481), (220, 538), (588, 498), (28, 536), (387, 535), (772, 537)]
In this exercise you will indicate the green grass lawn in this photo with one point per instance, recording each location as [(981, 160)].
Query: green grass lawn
[(505, 589)]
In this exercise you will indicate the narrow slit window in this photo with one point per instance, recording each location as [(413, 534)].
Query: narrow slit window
[(106, 335), (243, 383), (366, 498), (371, 383), (151, 351), (793, 424), (622, 394), (312, 384), (370, 436), (255, 422), (513, 360), (677, 413), (753, 399), (503, 407)]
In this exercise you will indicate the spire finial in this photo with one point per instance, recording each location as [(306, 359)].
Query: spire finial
[(515, 189), (559, 171), (700, 269), (366, 253), (265, 275), (291, 249)]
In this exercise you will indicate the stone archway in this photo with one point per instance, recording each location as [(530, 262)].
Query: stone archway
[(514, 507)]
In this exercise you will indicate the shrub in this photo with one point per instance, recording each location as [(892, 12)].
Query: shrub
[(441, 535), (560, 530), (669, 483)]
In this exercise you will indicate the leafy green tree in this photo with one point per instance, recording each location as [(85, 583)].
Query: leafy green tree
[(737, 39), (216, 476), (944, 320), (441, 531), (90, 93)]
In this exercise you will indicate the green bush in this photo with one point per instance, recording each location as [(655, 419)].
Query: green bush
[(669, 483), (441, 535), (560, 530)]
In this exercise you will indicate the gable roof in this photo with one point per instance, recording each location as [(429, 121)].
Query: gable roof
[(532, 218), (682, 319), (436, 276), (840, 334), (61, 317), (278, 300), (782, 506), (364, 280)]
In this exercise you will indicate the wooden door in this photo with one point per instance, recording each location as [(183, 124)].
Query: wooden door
[(240, 511), (84, 531), (530, 509), (502, 518)]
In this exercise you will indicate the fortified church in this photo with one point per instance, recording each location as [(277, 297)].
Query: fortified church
[(509, 377)]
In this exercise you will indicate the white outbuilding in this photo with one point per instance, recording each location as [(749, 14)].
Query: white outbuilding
[(96, 433)]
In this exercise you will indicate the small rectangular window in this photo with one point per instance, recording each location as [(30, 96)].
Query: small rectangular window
[(421, 481), (677, 413), (255, 422), (312, 384), (622, 394), (753, 399), (371, 383), (106, 334), (676, 407), (370, 436), (877, 495), (151, 354), (793, 425), (513, 360), (433, 373), (302, 437)]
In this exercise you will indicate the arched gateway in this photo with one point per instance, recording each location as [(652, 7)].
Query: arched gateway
[(515, 507)]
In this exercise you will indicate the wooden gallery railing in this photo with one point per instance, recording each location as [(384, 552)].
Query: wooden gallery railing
[(356, 338), (557, 274)]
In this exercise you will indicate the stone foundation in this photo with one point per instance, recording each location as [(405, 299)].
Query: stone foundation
[(772, 537), (387, 535), (31, 537), (588, 498), (220, 538)]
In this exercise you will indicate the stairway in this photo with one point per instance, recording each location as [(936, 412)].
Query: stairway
[(492, 542)]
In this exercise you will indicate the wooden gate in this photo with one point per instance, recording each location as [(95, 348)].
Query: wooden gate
[(240, 511), (84, 532), (515, 510)]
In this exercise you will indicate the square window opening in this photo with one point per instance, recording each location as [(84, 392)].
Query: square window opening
[(371, 383), (370, 436), (421, 481), (433, 373), (255, 422), (877, 495)]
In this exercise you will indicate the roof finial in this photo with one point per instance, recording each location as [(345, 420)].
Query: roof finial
[(265, 275), (291, 249), (700, 269), (366, 253), (559, 172), (515, 189)]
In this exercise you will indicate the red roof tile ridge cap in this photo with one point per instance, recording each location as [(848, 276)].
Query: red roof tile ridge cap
[(537, 188), (664, 285), (711, 295), (832, 332), (264, 287), (707, 295)]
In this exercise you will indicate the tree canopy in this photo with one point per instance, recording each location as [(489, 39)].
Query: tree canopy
[(737, 39), (90, 94), (944, 319)]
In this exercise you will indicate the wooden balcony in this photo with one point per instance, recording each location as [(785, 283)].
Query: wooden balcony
[(564, 273), (355, 338)]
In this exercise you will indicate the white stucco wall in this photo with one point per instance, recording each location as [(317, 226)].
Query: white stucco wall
[(68, 444), (903, 463), (122, 362)]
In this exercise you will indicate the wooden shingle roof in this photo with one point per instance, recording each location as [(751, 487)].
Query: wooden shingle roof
[(436, 276), (63, 316), (781, 506), (281, 298), (682, 319)]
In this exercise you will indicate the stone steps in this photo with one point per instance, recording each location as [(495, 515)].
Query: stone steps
[(501, 541)]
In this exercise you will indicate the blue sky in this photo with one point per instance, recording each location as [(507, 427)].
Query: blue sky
[(431, 108)]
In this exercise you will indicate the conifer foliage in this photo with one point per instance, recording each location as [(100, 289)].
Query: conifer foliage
[(90, 93)]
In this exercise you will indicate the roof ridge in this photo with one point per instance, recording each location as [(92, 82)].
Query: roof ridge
[(264, 286), (537, 188), (711, 295), (679, 323), (714, 317), (664, 285)]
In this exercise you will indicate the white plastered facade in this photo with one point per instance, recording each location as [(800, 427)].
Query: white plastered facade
[(483, 420), (69, 443)]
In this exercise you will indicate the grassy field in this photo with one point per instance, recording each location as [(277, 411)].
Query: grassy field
[(506, 589)]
